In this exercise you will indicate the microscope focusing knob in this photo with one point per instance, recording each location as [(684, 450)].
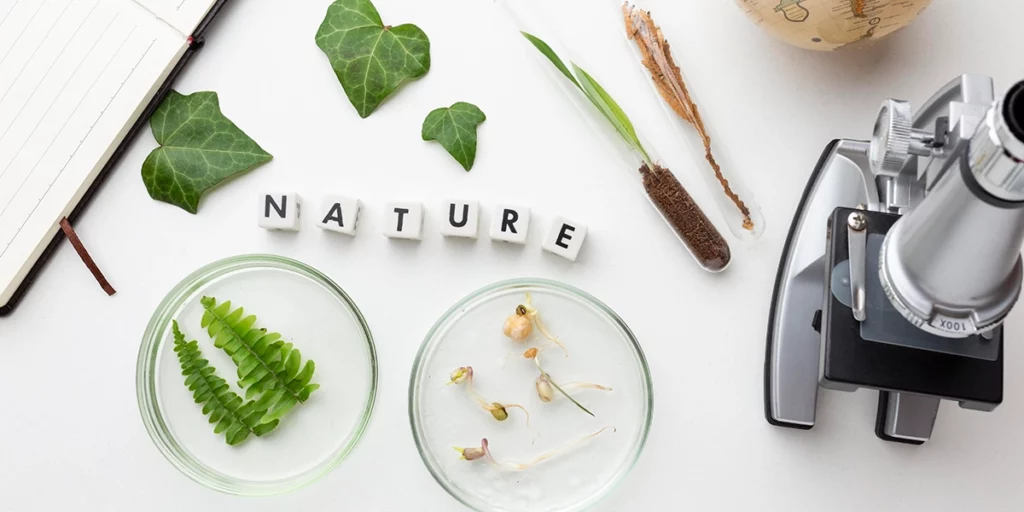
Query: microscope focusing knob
[(892, 138)]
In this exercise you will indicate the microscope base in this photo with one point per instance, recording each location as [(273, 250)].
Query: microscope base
[(798, 349)]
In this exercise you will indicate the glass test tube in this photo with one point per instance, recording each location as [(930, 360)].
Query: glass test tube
[(663, 190)]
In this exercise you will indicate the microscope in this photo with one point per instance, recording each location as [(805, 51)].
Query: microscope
[(901, 263)]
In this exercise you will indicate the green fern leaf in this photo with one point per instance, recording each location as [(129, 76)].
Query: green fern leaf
[(268, 368), (231, 416)]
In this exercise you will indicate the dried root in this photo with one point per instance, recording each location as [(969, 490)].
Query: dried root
[(657, 58)]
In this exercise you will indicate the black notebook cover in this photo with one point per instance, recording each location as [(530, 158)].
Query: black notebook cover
[(196, 42)]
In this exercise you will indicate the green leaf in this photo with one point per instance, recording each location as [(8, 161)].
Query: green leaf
[(371, 59), (455, 128), (269, 370), (199, 149), (596, 94), (611, 110), (551, 55), (262, 429), (226, 409)]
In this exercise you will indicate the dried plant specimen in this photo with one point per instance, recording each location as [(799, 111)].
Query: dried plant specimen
[(657, 58)]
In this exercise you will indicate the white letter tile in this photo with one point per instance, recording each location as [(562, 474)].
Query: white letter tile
[(510, 224), (279, 211), (461, 219), (339, 214), (403, 219), (565, 238)]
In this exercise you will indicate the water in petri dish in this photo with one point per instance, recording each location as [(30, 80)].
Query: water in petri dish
[(599, 352), (323, 328)]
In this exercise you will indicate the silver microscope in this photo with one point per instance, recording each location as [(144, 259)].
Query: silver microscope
[(901, 263)]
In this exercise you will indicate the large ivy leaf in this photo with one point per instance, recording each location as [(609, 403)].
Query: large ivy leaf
[(199, 148), (371, 59), (455, 128)]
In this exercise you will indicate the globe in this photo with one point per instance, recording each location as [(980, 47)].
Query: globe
[(831, 24)]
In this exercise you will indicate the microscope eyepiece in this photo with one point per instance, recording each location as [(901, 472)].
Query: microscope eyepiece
[(1013, 110), (996, 155)]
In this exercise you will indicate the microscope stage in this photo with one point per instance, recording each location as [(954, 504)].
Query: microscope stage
[(973, 377)]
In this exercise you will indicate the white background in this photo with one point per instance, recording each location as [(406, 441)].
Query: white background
[(70, 432)]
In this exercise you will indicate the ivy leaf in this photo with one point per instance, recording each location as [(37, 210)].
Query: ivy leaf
[(455, 128), (199, 148), (371, 59)]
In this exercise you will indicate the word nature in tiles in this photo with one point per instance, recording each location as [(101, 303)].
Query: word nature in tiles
[(404, 220)]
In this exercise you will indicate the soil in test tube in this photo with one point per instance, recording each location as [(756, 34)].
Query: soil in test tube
[(700, 235)]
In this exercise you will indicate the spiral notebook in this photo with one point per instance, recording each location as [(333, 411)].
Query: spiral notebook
[(78, 79)]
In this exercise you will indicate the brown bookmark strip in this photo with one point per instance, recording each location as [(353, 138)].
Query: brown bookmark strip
[(84, 254)]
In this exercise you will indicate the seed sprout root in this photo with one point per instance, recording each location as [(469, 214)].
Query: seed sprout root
[(464, 374), (519, 325), (484, 451), (545, 382)]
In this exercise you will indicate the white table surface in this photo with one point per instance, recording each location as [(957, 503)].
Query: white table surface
[(72, 437)]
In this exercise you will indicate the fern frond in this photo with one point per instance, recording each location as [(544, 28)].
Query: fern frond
[(267, 366), (237, 420)]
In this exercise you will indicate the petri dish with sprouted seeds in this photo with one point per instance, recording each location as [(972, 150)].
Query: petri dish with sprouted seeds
[(530, 395)]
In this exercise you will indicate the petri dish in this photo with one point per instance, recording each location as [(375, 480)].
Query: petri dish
[(309, 310), (601, 350)]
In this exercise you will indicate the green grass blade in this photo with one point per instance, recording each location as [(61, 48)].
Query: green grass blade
[(551, 55), (567, 395), (611, 110)]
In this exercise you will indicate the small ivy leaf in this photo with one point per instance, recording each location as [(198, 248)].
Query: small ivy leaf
[(455, 128), (199, 148), (370, 59)]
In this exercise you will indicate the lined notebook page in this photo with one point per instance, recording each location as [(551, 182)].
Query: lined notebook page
[(183, 15), (74, 76)]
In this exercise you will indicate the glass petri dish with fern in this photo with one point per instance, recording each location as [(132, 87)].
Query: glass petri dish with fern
[(257, 375), (543, 392)]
